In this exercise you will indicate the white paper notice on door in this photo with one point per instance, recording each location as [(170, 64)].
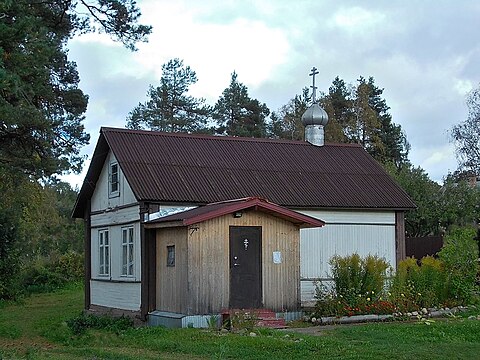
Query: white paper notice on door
[(277, 257)]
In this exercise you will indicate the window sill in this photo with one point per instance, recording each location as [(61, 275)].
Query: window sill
[(114, 194), (121, 280)]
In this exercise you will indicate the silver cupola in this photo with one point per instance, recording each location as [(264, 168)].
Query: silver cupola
[(314, 119)]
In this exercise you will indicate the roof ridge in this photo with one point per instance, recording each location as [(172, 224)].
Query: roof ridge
[(202, 136), (220, 137)]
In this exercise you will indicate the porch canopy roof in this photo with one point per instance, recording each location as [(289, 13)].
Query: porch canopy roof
[(214, 210)]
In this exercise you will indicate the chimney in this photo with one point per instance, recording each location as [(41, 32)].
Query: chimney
[(314, 118)]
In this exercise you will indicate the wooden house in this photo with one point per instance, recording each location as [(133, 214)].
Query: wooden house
[(161, 210)]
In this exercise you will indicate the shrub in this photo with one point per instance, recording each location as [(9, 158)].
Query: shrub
[(358, 289), (50, 273), (355, 277), (460, 254), (415, 286), (80, 324), (70, 264)]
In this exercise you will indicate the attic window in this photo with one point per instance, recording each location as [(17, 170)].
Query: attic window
[(114, 186)]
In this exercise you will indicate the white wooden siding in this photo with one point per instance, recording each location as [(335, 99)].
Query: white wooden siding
[(115, 236), (352, 217), (124, 296), (116, 216), (101, 199), (345, 233)]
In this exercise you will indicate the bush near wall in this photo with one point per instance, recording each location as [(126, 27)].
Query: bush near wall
[(360, 283), (417, 286), (359, 287)]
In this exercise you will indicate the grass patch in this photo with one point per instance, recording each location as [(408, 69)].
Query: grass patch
[(37, 329)]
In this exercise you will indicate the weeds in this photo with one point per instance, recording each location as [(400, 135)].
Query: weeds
[(80, 324)]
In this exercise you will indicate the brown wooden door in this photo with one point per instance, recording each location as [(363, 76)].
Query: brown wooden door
[(245, 267)]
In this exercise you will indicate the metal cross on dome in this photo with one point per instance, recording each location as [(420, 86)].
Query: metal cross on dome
[(314, 88)]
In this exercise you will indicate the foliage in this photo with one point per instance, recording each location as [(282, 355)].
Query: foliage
[(42, 112), (330, 304), (439, 208), (242, 320), (41, 130), (358, 287), (169, 108), (236, 114), (287, 122), (425, 193), (458, 203), (460, 254), (357, 114), (415, 286), (46, 225), (449, 280), (81, 323), (48, 274), (36, 225), (466, 135), (14, 196), (355, 277)]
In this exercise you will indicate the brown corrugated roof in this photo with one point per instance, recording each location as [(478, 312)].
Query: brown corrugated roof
[(211, 211), (199, 169)]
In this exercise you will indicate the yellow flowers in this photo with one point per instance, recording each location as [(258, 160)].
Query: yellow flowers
[(368, 299)]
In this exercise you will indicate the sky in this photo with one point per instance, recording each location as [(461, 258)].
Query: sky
[(424, 54)]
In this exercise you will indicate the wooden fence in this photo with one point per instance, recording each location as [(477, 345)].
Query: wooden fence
[(419, 247)]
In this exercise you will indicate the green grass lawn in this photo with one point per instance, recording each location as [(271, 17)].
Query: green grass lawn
[(36, 329)]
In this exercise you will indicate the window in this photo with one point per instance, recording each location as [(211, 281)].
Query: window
[(127, 251), (171, 255), (114, 188), (104, 253)]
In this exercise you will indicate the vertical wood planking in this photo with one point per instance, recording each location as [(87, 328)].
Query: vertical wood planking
[(208, 259), (172, 281)]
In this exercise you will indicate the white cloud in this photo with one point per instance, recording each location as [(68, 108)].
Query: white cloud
[(463, 86), (356, 20)]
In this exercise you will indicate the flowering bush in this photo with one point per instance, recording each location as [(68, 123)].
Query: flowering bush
[(416, 286), (355, 277), (328, 304), (359, 283)]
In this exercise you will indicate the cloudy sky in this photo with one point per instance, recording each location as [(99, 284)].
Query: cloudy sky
[(425, 54)]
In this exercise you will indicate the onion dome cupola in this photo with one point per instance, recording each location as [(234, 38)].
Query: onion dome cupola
[(314, 118)]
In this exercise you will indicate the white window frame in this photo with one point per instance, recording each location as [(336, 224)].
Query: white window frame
[(113, 180), (103, 252), (128, 251)]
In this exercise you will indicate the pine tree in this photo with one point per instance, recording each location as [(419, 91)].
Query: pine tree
[(169, 108), (42, 107), (237, 114)]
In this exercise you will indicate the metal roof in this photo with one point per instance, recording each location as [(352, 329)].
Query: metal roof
[(200, 169), (211, 211)]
